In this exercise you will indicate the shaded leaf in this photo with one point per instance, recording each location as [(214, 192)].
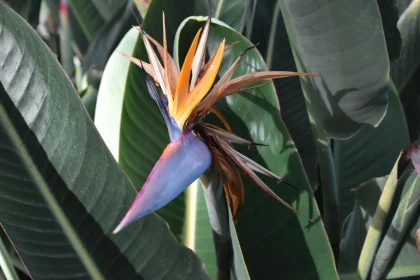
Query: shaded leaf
[(108, 8), (28, 9), (59, 179), (273, 43), (410, 99), (409, 26), (373, 236), (88, 17), (108, 37), (403, 217), (356, 159), (405, 263), (89, 99), (389, 15), (332, 39)]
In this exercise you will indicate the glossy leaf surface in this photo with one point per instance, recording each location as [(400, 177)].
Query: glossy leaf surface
[(59, 179), (344, 43)]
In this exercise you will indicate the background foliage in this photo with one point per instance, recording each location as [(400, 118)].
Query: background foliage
[(79, 135)]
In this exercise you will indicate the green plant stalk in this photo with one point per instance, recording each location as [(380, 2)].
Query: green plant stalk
[(250, 21), (6, 264), (66, 51), (373, 236), (328, 185), (272, 38), (218, 8), (402, 219), (83, 26), (190, 215), (44, 190)]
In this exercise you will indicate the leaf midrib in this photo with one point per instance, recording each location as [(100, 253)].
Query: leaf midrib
[(50, 200)]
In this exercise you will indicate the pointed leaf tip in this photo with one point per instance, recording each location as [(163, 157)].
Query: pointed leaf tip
[(182, 162)]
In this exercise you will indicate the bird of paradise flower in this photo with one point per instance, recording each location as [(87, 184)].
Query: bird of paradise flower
[(186, 97)]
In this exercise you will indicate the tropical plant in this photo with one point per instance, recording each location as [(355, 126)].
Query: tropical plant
[(340, 134)]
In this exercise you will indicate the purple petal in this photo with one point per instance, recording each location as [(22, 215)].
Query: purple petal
[(182, 162), (414, 153)]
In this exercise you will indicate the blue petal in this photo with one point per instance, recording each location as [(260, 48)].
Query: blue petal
[(173, 130), (182, 162)]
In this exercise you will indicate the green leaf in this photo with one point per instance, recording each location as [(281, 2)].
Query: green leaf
[(231, 12), (88, 17), (62, 191), (356, 159), (409, 61), (89, 99), (389, 16), (377, 226), (240, 270), (197, 230), (213, 231), (28, 9), (270, 33), (6, 265), (410, 100), (109, 37), (270, 235), (405, 261), (344, 43), (65, 45), (403, 217), (402, 5), (108, 8)]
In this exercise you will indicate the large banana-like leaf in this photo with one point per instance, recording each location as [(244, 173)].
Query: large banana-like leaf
[(389, 16), (232, 12), (370, 153), (410, 100), (409, 62), (268, 231), (343, 42), (406, 70), (270, 33), (62, 193)]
